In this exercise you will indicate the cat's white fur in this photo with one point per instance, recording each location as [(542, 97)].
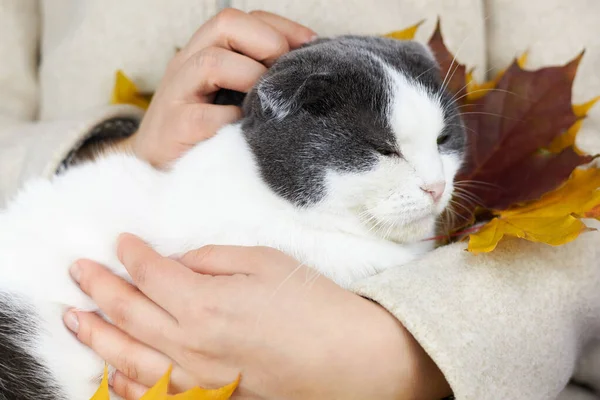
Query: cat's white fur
[(214, 194)]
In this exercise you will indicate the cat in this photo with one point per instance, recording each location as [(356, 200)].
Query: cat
[(344, 159)]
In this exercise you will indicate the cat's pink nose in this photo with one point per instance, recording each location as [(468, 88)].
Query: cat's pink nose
[(435, 190)]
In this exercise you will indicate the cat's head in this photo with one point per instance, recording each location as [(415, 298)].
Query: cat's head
[(359, 126)]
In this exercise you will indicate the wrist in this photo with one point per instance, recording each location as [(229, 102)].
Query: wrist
[(397, 366)]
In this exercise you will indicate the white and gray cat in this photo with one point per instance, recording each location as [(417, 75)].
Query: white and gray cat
[(344, 159)]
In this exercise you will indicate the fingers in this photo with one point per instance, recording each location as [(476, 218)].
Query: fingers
[(126, 388), (296, 34), (163, 280), (133, 359), (136, 360), (188, 125), (127, 308), (235, 30), (211, 69), (202, 121), (230, 260)]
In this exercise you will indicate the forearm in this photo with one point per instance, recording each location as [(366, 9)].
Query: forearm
[(398, 365), (505, 325)]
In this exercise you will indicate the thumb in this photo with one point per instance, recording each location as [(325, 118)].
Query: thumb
[(228, 260)]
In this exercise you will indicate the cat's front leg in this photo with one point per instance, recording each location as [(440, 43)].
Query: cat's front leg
[(346, 258)]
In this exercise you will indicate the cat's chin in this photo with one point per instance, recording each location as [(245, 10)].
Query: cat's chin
[(410, 231)]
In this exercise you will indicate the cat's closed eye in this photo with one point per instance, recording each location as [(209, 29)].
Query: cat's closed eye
[(443, 139), (388, 152)]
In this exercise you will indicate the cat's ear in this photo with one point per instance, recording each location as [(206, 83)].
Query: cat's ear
[(285, 93)]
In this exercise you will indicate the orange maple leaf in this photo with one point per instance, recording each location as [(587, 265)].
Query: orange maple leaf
[(554, 219)]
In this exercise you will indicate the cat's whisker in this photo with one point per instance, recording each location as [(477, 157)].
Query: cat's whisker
[(455, 100), (458, 51), (468, 196), (492, 90), (463, 127), (375, 228), (464, 41), (491, 114), (372, 227), (315, 277), (448, 219), (467, 192), (469, 202), (454, 216), (456, 67), (369, 221), (426, 71), (275, 292), (379, 226), (466, 202), (450, 68), (475, 183), (455, 203)]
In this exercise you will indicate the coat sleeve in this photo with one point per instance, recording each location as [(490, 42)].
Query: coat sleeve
[(506, 325), (28, 147)]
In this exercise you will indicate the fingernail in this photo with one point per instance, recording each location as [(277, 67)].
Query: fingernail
[(313, 38), (72, 322), (75, 272), (111, 378)]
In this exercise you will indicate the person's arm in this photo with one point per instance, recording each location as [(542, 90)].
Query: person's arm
[(510, 324), (505, 325), (223, 310)]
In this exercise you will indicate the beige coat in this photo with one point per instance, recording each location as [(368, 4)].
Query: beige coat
[(510, 325)]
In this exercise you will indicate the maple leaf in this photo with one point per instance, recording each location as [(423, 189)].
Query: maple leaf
[(521, 132), (405, 34), (478, 90), (553, 219), (103, 392), (126, 92), (454, 73), (160, 391), (520, 129), (508, 127), (567, 139)]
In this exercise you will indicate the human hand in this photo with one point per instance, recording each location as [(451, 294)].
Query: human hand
[(230, 51), (223, 310)]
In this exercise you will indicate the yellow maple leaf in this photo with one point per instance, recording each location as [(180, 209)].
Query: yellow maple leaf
[(102, 393), (160, 390), (593, 213), (405, 34), (553, 219), (477, 90), (222, 393), (126, 92), (568, 138)]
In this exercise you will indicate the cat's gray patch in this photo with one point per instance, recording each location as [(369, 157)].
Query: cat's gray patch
[(22, 376), (325, 106)]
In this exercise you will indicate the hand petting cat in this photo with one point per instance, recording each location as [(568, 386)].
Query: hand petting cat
[(223, 310), (230, 51)]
